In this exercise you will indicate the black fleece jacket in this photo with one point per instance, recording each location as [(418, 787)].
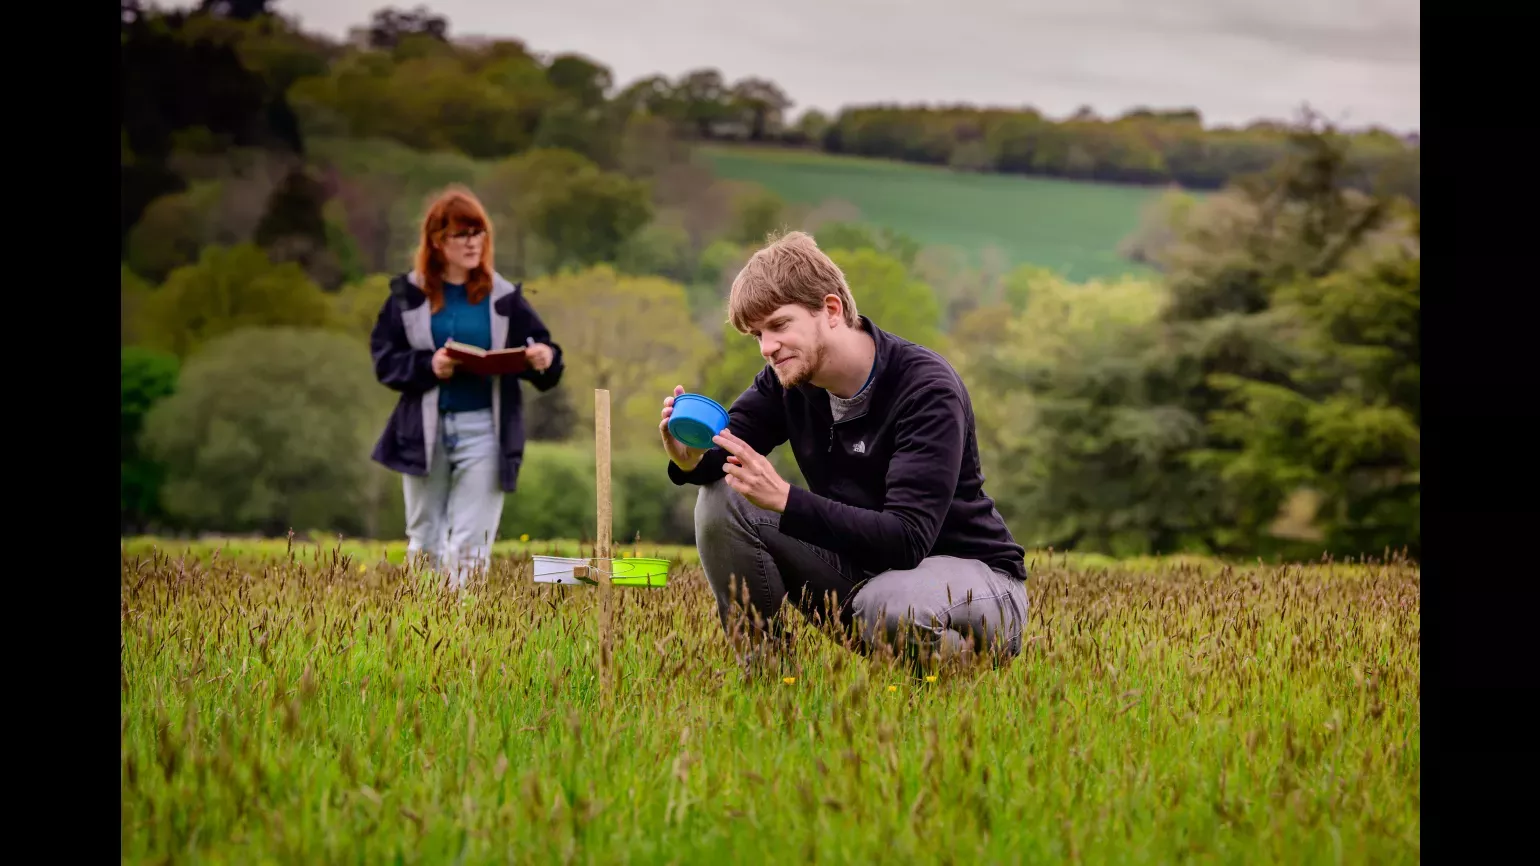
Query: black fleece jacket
[(896, 482)]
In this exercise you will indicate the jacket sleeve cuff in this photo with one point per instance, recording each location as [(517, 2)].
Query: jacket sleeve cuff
[(677, 475), (709, 469), (800, 519), (423, 359), (546, 379)]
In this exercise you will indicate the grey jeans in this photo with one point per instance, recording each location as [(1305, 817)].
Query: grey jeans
[(945, 605), (453, 512)]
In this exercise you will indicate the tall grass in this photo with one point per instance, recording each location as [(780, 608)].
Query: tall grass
[(324, 708), (255, 552)]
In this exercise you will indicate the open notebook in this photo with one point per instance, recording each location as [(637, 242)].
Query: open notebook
[(502, 362)]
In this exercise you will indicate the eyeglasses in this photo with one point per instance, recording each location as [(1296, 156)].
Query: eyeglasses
[(467, 235)]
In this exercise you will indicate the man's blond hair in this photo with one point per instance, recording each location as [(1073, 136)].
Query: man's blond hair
[(790, 269)]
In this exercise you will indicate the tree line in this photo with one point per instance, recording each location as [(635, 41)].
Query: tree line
[(1259, 396), (407, 81), (1141, 146)]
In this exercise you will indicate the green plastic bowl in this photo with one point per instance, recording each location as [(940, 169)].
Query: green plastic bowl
[(639, 571)]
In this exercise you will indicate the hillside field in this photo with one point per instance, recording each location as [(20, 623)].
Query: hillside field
[(1070, 226)]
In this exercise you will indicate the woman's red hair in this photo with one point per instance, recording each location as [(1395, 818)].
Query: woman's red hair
[(456, 209)]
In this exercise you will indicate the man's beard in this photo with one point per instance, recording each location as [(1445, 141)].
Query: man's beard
[(806, 367)]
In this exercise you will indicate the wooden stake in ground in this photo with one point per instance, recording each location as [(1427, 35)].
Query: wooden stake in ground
[(602, 542)]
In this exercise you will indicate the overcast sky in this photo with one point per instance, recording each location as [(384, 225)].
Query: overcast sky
[(1235, 60)]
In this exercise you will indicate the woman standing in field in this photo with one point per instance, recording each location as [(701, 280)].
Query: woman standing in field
[(456, 437)]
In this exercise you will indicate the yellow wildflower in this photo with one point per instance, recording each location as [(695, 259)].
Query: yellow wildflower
[(524, 537), (892, 688), (788, 680), (931, 678)]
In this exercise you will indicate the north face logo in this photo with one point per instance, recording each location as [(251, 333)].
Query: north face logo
[(860, 448)]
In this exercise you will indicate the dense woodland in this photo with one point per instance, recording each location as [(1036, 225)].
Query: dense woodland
[(1259, 396)]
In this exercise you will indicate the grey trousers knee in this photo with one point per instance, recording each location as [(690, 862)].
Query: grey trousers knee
[(944, 605)]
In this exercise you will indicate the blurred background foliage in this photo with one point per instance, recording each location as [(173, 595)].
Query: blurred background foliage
[(1247, 385)]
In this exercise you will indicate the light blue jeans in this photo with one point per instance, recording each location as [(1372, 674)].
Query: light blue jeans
[(453, 512)]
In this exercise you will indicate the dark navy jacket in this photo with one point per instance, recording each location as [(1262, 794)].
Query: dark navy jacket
[(402, 346), (896, 482)]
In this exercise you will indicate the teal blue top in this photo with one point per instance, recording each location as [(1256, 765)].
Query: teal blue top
[(463, 322)]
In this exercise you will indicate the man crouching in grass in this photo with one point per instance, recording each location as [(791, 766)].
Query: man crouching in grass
[(895, 538)]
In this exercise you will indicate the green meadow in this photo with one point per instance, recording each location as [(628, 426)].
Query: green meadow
[(1070, 226), (321, 704)]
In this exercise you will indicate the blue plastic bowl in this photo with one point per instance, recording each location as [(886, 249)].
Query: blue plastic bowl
[(696, 419)]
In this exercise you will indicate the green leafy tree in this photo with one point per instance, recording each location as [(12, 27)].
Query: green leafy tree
[(648, 504), (294, 227), (761, 105), (294, 209), (653, 96), (1346, 427), (580, 79), (171, 231), (270, 430), (720, 262), (629, 335), (356, 306), (342, 251), (133, 290), (1078, 454), (556, 497), (516, 191), (811, 126), (429, 97), (1143, 146), (569, 126), (238, 10), (227, 289), (848, 235), (382, 191), (757, 213), (1292, 332), (148, 377), (704, 100), (389, 27), (1019, 284), (586, 220), (525, 91), (171, 81), (659, 248), (1163, 219), (648, 146), (267, 44), (886, 292), (549, 416), (715, 271), (963, 282)]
